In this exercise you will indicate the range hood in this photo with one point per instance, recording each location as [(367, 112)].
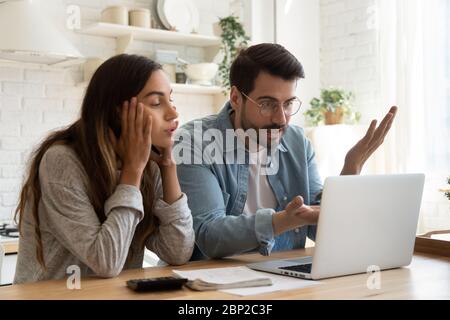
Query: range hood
[(27, 36)]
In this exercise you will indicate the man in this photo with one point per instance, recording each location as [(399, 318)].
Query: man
[(239, 206)]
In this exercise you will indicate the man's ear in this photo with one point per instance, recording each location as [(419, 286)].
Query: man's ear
[(235, 98)]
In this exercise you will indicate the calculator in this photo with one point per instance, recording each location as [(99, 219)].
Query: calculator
[(156, 284)]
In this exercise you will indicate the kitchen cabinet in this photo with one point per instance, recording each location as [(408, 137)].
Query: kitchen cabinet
[(8, 264), (8, 269)]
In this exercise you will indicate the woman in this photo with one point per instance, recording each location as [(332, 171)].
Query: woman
[(96, 195)]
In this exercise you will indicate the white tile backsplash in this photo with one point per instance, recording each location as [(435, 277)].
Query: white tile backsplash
[(347, 50), (11, 74), (35, 101), (23, 89)]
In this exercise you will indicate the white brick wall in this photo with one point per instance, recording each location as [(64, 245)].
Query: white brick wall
[(348, 55), (35, 101)]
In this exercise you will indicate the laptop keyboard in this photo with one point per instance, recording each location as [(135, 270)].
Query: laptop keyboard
[(304, 268)]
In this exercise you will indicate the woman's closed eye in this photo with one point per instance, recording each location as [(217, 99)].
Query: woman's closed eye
[(159, 103), (155, 102)]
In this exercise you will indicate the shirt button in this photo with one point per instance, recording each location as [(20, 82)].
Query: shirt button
[(297, 230), (285, 198)]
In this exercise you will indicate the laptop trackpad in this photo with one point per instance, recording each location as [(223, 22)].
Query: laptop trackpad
[(304, 260)]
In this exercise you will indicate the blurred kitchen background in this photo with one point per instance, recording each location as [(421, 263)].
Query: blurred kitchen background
[(383, 52)]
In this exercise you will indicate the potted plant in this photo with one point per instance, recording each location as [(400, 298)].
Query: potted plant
[(333, 107), (447, 190), (234, 39)]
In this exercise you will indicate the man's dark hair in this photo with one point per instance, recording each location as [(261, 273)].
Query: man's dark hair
[(271, 58)]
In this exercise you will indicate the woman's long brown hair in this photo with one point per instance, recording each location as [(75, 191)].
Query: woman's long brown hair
[(115, 81)]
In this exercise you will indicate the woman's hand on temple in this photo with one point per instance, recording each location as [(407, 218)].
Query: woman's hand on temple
[(134, 145)]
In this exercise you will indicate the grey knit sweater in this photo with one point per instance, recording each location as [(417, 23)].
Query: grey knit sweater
[(73, 235)]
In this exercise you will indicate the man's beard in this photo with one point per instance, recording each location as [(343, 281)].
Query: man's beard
[(262, 138)]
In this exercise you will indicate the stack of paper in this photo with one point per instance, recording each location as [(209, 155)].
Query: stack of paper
[(241, 281), (201, 285), (223, 278)]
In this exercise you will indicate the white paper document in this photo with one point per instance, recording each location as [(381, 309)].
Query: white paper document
[(242, 274)]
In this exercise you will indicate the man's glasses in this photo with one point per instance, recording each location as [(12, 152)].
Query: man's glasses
[(269, 108)]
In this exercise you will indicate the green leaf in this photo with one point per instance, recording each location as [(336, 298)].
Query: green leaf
[(234, 40)]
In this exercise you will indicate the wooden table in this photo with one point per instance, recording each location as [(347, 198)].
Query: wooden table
[(428, 277)]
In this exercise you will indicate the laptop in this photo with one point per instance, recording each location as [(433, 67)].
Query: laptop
[(365, 222)]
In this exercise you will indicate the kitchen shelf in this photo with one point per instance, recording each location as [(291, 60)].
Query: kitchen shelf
[(184, 88), (127, 34), (192, 89)]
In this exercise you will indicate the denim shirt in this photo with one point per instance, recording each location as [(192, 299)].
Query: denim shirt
[(217, 192)]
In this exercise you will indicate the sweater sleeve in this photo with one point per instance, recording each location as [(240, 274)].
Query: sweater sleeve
[(71, 218), (174, 240)]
